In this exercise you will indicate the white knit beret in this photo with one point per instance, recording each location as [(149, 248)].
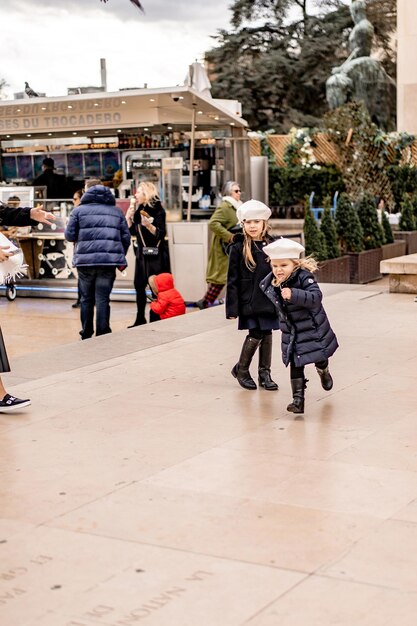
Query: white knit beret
[(283, 249), (253, 210)]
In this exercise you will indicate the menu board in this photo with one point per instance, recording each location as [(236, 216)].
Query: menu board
[(75, 165), (92, 165), (9, 168), (24, 167), (111, 164), (37, 164)]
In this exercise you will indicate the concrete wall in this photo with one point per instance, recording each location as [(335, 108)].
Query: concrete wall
[(407, 66)]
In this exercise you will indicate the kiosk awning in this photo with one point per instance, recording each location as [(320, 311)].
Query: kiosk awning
[(109, 113)]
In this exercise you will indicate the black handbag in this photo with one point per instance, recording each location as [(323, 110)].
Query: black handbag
[(149, 250)]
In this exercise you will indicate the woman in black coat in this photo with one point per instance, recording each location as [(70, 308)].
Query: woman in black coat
[(306, 334), (244, 299), (24, 216), (146, 219)]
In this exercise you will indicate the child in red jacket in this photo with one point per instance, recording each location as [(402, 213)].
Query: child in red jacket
[(169, 302)]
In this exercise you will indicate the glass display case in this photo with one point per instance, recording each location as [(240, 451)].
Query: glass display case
[(172, 187), (27, 196)]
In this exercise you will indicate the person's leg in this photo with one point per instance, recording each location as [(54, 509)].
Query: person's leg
[(241, 369), (7, 402), (86, 282), (210, 296), (10, 403), (76, 305), (104, 284), (154, 317), (140, 283), (298, 385), (265, 358), (325, 376)]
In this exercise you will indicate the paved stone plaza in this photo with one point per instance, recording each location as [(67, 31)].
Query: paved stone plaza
[(145, 486)]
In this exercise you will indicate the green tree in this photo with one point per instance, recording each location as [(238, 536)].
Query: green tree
[(348, 226), (315, 242), (278, 54), (407, 219), (386, 226), (328, 229), (373, 236)]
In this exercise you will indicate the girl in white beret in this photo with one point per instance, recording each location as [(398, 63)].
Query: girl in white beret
[(248, 265), (306, 335)]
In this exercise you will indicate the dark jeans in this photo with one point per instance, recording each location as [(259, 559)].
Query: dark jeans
[(95, 284)]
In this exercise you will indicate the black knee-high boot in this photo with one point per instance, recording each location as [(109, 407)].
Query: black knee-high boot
[(298, 386), (241, 369), (264, 368), (325, 377)]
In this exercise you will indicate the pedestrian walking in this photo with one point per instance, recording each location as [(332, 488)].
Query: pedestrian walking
[(99, 230), (307, 336), (221, 224), (248, 265)]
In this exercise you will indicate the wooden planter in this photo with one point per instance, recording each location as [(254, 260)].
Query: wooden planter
[(391, 250), (410, 238), (334, 270), (364, 266)]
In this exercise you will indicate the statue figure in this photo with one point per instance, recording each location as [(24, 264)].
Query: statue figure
[(362, 78)]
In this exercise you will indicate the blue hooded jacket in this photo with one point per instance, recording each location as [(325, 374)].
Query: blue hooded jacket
[(99, 230)]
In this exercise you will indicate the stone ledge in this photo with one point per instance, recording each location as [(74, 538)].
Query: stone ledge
[(406, 264)]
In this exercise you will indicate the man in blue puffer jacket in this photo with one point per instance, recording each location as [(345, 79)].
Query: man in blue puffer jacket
[(99, 231)]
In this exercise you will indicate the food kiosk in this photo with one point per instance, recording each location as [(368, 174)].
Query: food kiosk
[(184, 140)]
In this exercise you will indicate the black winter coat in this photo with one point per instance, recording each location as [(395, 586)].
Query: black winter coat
[(243, 295), (151, 265), (306, 333), (12, 216)]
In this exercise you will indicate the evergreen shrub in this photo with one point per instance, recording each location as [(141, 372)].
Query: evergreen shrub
[(373, 236), (348, 226)]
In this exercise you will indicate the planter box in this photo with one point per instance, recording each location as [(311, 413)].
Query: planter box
[(410, 238), (334, 270), (391, 250), (364, 266)]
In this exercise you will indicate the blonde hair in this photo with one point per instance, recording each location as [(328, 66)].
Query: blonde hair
[(308, 263), (149, 192), (247, 245)]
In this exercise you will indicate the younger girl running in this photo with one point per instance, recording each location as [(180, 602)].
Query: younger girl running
[(306, 333), (248, 265)]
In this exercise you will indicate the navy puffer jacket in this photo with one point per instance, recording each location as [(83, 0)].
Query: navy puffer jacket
[(99, 230), (306, 333)]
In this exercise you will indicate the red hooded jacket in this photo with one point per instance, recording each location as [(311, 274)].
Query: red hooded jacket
[(169, 302)]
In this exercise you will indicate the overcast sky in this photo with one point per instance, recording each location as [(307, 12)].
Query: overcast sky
[(55, 44)]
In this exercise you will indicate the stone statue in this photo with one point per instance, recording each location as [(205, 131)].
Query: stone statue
[(362, 78)]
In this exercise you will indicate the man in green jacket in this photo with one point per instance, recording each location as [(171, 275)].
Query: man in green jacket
[(222, 220)]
